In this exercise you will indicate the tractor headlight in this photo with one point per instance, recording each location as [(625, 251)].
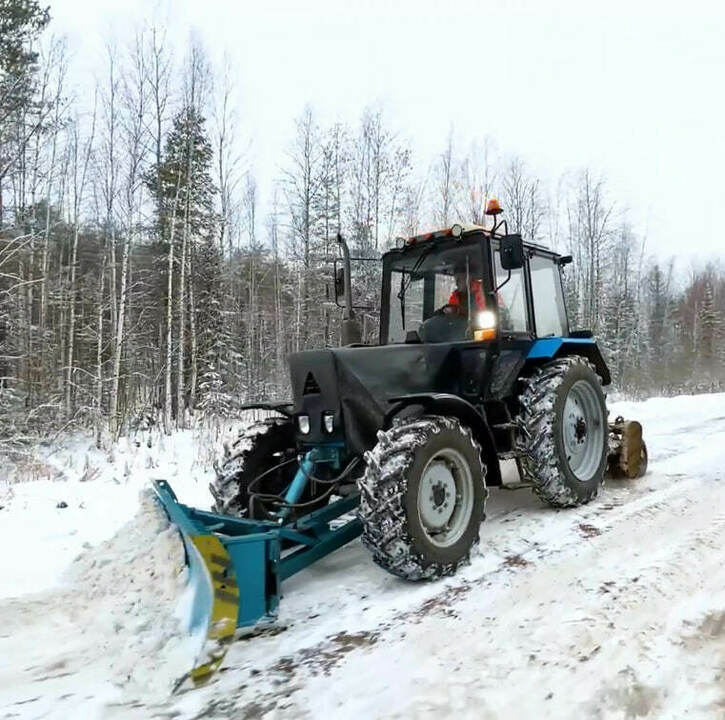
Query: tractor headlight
[(303, 423), (328, 422), (485, 320)]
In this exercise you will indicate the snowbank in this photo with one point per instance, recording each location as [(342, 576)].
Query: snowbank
[(75, 496), (95, 593)]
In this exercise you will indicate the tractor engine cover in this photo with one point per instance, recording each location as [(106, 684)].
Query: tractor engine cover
[(354, 384)]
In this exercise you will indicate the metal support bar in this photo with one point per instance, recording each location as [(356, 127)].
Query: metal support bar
[(333, 540)]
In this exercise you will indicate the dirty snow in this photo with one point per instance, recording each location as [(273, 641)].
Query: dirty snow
[(613, 610)]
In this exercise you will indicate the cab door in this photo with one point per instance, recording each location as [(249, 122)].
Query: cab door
[(515, 326), (547, 297), (512, 297)]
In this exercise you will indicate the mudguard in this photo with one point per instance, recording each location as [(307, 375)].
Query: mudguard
[(553, 347), (446, 404)]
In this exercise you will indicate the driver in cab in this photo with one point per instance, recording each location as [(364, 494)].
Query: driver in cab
[(458, 301)]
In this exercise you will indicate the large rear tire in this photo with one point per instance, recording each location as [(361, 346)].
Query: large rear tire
[(422, 497), (564, 432)]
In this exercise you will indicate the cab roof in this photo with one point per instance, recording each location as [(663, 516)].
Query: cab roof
[(467, 229)]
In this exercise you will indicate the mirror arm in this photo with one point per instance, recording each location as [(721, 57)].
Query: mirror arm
[(496, 226), (508, 277)]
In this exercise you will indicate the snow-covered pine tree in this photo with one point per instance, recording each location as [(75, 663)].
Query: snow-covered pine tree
[(185, 199)]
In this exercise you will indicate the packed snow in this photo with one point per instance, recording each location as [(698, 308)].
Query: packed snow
[(612, 610)]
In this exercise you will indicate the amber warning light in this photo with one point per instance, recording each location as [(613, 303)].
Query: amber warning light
[(493, 207)]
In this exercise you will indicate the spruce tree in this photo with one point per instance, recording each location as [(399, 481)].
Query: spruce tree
[(185, 196), (186, 166)]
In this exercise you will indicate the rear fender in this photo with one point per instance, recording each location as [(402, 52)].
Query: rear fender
[(454, 406), (556, 347)]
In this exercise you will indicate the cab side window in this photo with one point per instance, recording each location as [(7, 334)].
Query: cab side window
[(511, 298), (549, 308)]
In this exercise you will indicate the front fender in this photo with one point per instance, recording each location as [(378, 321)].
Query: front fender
[(454, 406)]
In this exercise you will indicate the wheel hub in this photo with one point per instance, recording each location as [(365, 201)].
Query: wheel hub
[(438, 495), (582, 428), (446, 497)]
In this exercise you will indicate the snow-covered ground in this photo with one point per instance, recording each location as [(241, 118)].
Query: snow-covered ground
[(613, 610)]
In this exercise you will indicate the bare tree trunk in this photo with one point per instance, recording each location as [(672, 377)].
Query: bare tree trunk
[(78, 189), (194, 345), (134, 148), (180, 410), (71, 324), (46, 234), (99, 355), (251, 326), (168, 400), (120, 329)]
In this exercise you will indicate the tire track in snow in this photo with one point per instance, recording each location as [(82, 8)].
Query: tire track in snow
[(342, 610), (552, 534)]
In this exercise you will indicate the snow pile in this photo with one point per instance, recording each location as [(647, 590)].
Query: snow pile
[(134, 583), (94, 606), (83, 496)]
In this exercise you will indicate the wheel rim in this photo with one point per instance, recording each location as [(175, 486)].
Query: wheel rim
[(445, 497), (583, 430)]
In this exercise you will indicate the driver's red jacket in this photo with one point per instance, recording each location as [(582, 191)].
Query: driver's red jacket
[(477, 289)]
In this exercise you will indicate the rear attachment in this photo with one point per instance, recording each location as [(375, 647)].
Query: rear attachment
[(627, 450), (237, 565)]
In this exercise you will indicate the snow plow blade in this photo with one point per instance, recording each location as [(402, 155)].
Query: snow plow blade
[(627, 450), (215, 603), (236, 566)]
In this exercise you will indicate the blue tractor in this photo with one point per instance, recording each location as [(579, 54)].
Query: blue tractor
[(399, 441)]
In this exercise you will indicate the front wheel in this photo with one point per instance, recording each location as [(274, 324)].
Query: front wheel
[(564, 432), (422, 497)]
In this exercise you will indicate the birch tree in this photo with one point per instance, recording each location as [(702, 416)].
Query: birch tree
[(80, 158), (134, 147)]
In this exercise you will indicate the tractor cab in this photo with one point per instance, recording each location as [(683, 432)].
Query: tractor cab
[(469, 283)]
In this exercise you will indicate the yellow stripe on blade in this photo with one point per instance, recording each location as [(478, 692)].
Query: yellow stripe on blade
[(224, 608)]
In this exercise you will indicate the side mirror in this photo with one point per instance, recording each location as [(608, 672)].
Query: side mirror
[(339, 283), (512, 252)]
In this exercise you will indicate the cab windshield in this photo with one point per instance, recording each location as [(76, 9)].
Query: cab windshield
[(434, 293)]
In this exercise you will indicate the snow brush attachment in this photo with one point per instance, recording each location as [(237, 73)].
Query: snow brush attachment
[(627, 456)]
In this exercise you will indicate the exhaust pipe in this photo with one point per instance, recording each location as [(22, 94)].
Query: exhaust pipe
[(350, 328)]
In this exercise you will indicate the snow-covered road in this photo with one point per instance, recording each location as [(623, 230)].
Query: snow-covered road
[(613, 610)]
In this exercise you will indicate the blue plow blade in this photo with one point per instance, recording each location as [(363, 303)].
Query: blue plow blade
[(237, 565)]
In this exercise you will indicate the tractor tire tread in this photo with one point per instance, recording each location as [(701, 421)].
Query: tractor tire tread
[(383, 487), (225, 487), (539, 462)]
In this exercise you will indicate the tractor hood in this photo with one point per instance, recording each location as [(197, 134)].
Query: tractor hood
[(355, 385)]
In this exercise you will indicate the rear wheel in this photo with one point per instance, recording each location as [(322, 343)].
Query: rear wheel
[(422, 497), (564, 432)]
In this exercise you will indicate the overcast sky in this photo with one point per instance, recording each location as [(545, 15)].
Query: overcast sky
[(633, 89)]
